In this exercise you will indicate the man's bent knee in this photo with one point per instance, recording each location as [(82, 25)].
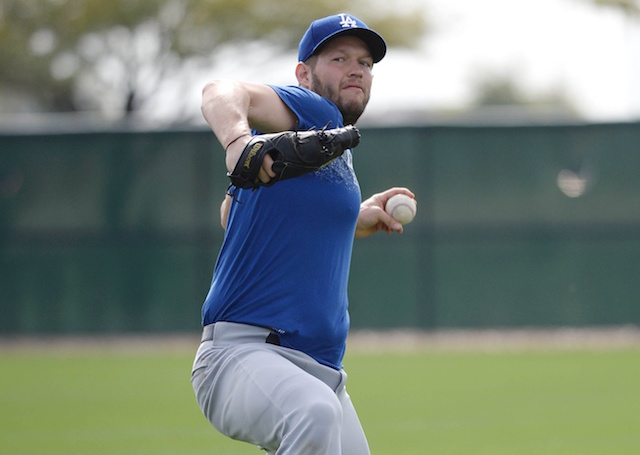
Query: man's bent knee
[(316, 429)]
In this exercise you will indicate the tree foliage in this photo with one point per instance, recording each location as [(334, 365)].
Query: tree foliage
[(66, 55), (504, 90), (629, 7)]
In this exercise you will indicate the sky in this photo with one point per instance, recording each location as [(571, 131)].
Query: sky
[(591, 54)]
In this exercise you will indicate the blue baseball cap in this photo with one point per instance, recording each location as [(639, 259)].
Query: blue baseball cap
[(322, 30)]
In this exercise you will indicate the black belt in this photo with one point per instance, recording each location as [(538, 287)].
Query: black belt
[(207, 335)]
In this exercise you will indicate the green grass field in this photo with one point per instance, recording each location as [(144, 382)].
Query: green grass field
[(439, 402)]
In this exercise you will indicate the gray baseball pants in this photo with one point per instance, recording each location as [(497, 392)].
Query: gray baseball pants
[(277, 398)]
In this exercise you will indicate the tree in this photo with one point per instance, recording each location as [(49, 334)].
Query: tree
[(629, 7), (502, 90), (68, 55)]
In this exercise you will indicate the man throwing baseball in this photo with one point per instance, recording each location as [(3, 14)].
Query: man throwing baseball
[(269, 368)]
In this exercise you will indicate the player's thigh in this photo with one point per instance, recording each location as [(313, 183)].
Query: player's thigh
[(250, 392), (353, 439)]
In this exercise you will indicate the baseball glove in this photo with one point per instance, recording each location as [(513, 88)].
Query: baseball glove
[(294, 153)]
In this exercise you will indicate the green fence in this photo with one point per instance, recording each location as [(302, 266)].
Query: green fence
[(118, 231)]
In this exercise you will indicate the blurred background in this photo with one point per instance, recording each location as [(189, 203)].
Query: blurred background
[(515, 123)]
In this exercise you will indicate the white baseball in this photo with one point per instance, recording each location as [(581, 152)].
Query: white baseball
[(402, 208)]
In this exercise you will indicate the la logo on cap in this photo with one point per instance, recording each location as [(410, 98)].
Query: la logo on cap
[(347, 21)]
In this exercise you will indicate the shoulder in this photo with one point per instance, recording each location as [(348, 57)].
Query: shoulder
[(312, 110)]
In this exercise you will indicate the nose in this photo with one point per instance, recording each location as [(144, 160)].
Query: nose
[(355, 69)]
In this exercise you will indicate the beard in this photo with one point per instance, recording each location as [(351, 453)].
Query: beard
[(351, 109)]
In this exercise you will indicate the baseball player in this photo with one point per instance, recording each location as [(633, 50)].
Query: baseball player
[(269, 368)]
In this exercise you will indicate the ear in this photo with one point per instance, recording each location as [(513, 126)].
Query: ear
[(303, 74)]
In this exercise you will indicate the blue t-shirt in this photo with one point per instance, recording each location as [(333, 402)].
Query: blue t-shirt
[(285, 260)]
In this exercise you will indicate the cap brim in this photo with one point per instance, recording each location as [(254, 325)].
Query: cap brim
[(375, 42)]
